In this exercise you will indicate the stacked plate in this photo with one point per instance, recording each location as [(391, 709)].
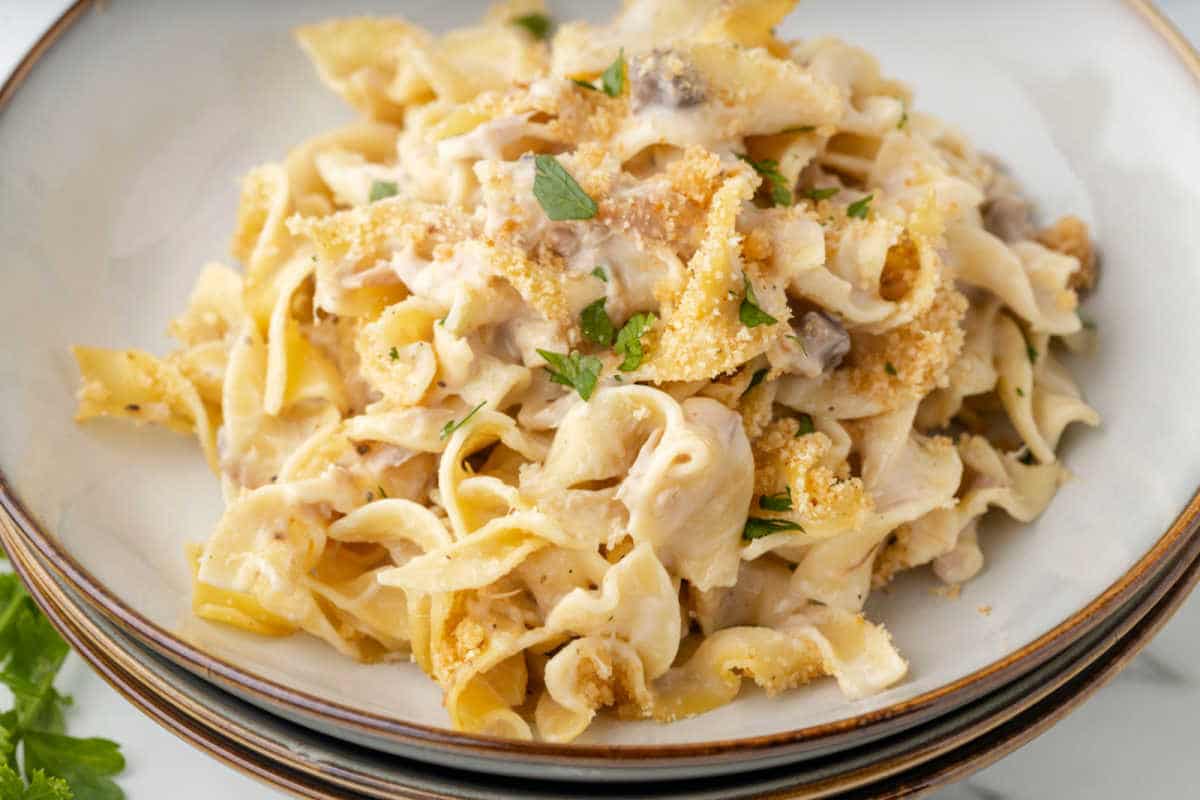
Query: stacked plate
[(125, 205)]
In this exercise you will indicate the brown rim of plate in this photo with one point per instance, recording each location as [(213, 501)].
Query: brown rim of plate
[(969, 749), (911, 711)]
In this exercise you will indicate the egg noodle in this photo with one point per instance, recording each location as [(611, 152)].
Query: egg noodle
[(605, 366)]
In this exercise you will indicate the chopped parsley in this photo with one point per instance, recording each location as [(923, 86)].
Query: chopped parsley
[(613, 78), (860, 208), (776, 502), (804, 425), (890, 369), (574, 369), (538, 25), (903, 123), (599, 273), (800, 129), (1031, 352), (1020, 392), (755, 380), (821, 194), (597, 327), (384, 495), (779, 192), (451, 426), (382, 189), (749, 313), (584, 84), (394, 354), (558, 193), (629, 340), (757, 527), (56, 766)]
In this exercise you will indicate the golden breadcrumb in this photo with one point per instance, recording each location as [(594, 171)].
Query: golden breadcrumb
[(1070, 236)]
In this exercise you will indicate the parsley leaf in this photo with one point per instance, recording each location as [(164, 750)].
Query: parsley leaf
[(584, 84), (1020, 392), (87, 765), (596, 325), (629, 340), (755, 380), (451, 426), (860, 208), (575, 370), (394, 354), (821, 194), (41, 786), (1032, 352), (558, 193), (780, 194), (537, 24), (613, 78), (382, 189), (799, 129), (56, 766), (805, 425), (903, 120), (599, 273), (749, 313), (890, 369), (757, 527), (776, 502)]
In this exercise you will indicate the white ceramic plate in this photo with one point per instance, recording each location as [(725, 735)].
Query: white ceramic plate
[(119, 165)]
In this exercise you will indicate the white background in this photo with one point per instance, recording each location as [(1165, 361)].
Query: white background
[(1133, 739)]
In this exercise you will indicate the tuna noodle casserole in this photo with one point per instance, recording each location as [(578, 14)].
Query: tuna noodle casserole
[(604, 367)]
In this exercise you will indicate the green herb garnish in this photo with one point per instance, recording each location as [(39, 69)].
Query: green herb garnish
[(779, 192), (1031, 352), (629, 340), (776, 502), (596, 325), (613, 78), (558, 193), (860, 208), (749, 313), (755, 380), (1020, 392), (382, 189), (599, 273), (537, 24), (394, 354), (800, 129), (757, 527), (584, 84), (890, 369), (384, 495), (903, 121), (821, 194), (574, 369), (453, 425), (55, 766), (805, 425)]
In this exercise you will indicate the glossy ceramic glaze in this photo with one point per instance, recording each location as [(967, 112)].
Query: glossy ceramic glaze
[(295, 758), (115, 191)]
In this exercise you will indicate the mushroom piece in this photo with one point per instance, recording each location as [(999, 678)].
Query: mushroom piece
[(665, 78), (1006, 212), (818, 346)]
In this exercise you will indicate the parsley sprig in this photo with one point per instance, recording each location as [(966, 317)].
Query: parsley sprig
[(758, 527), (54, 766), (749, 312), (576, 370), (629, 340), (558, 193), (859, 209), (613, 78), (382, 189), (804, 425), (596, 325), (538, 25), (776, 502), (780, 193), (453, 425)]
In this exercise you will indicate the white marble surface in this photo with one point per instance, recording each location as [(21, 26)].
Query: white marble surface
[(1131, 740)]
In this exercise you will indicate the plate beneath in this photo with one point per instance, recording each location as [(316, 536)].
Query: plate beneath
[(106, 225)]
